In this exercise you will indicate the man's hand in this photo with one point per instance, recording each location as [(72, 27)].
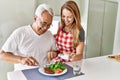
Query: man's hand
[(51, 55), (30, 61)]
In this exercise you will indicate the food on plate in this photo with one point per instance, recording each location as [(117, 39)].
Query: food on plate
[(111, 56), (55, 68), (58, 71), (48, 71), (115, 57)]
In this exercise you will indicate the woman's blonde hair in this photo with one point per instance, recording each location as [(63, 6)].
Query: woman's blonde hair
[(73, 8)]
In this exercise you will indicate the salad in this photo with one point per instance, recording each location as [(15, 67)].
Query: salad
[(55, 68)]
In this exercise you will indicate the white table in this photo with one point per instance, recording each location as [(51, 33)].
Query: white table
[(98, 68)]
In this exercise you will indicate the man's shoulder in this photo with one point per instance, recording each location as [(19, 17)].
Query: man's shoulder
[(22, 28)]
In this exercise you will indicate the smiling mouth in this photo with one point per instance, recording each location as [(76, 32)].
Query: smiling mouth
[(67, 22)]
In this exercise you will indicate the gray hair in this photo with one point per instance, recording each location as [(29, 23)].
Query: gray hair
[(43, 7)]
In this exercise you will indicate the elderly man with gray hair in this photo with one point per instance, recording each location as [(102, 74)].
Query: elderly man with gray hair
[(33, 44)]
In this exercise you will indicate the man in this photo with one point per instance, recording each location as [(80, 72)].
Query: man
[(29, 45)]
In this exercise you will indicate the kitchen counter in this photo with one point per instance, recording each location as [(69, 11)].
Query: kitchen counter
[(98, 68)]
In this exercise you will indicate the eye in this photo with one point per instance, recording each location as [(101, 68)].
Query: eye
[(44, 23), (48, 25), (63, 16)]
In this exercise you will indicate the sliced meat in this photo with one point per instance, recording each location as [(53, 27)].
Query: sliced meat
[(48, 71)]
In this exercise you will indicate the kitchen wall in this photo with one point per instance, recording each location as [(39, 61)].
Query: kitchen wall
[(101, 26), (116, 48), (13, 14)]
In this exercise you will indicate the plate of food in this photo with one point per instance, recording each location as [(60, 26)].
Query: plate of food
[(54, 69)]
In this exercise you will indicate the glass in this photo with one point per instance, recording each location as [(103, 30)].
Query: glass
[(43, 23), (76, 65)]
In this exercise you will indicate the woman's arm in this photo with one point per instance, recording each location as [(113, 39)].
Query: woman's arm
[(79, 52)]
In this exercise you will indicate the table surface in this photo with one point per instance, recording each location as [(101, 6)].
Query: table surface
[(98, 68)]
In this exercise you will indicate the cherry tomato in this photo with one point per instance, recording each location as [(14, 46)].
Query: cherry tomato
[(58, 71)]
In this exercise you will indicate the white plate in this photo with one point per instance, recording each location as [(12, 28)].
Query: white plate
[(41, 70)]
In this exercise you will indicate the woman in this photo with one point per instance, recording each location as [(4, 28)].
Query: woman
[(70, 35)]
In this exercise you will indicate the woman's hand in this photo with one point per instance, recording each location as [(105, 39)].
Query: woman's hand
[(76, 57), (30, 61)]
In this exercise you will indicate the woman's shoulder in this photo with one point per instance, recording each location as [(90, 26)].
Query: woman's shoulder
[(82, 35), (82, 31)]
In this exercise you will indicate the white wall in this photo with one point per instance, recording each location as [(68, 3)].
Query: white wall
[(13, 14), (116, 48)]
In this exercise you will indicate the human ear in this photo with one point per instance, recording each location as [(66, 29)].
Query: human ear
[(35, 18)]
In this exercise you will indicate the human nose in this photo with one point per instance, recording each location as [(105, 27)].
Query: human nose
[(45, 27), (66, 19)]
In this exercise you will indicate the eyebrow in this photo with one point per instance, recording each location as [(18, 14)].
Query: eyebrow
[(68, 15)]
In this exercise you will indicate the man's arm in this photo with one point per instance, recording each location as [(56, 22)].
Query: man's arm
[(11, 58), (52, 54)]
